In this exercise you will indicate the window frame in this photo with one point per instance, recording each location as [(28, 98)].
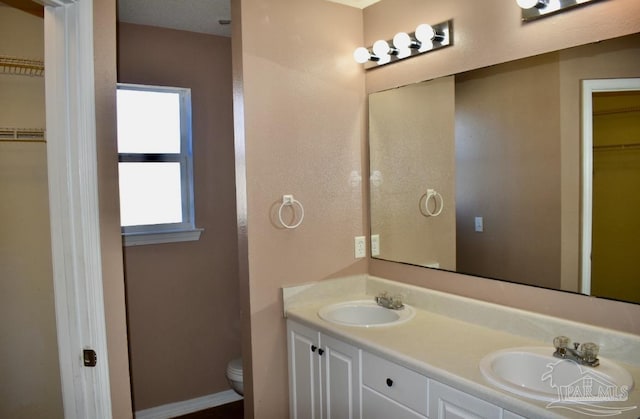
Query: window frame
[(167, 232)]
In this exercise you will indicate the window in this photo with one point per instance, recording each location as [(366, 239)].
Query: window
[(155, 164)]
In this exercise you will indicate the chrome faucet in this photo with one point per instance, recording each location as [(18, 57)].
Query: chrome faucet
[(392, 302), (583, 354)]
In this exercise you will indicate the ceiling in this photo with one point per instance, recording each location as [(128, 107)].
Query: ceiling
[(191, 15), (188, 15), (203, 16), (360, 4), (26, 6)]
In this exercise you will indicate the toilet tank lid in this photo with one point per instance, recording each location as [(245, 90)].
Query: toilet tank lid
[(235, 365)]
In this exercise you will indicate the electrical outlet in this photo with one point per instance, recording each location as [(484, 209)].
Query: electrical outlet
[(375, 245), (360, 247)]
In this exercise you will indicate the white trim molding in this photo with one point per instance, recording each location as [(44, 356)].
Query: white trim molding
[(138, 239), (172, 410), (73, 201), (588, 88)]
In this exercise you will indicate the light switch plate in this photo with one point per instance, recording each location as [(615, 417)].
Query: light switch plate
[(375, 245), (479, 224)]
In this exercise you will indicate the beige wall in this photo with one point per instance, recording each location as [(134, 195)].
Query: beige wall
[(302, 133), (409, 163), (104, 39), (560, 135), (30, 384), (498, 37), (184, 317), (616, 58), (508, 171)]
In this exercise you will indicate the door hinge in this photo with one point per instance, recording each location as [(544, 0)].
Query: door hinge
[(89, 357)]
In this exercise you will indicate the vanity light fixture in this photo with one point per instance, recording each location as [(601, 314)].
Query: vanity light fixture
[(382, 48), (534, 9), (403, 45), (362, 55)]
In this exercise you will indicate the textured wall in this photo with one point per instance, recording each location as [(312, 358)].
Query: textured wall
[(412, 147), (302, 134), (183, 297), (508, 171)]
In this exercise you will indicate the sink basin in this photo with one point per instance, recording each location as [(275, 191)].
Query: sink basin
[(533, 372), (364, 313)]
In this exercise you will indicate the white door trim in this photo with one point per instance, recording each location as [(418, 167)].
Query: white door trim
[(73, 202), (588, 88)]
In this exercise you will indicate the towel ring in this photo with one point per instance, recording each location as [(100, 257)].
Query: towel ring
[(287, 201), (437, 209)]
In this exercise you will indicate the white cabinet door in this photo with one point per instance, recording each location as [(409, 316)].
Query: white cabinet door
[(448, 403), (377, 406), (304, 367), (341, 379), (324, 375)]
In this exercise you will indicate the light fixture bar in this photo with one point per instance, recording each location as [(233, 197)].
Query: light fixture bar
[(532, 10), (426, 38)]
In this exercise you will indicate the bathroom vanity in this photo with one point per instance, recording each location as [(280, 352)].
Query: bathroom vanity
[(428, 366)]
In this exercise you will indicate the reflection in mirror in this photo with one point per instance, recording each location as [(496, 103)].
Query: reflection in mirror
[(613, 193), (412, 150), (502, 147)]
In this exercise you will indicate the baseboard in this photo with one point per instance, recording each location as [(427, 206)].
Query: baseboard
[(172, 410)]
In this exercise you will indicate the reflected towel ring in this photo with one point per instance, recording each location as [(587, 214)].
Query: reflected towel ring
[(287, 201), (437, 209)]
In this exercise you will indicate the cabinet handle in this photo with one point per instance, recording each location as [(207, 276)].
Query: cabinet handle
[(320, 351), (313, 348), (389, 382)]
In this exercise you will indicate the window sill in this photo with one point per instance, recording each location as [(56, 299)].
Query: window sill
[(140, 239)]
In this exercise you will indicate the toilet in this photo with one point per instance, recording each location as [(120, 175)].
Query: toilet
[(234, 375)]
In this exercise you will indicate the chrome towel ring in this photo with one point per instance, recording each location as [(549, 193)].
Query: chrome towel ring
[(438, 203)]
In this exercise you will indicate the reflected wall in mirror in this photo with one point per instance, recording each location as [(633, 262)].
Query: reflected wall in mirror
[(502, 146)]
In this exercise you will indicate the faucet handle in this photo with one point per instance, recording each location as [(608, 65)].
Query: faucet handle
[(589, 351), (561, 342)]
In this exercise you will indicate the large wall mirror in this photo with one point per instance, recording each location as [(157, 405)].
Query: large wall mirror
[(481, 172)]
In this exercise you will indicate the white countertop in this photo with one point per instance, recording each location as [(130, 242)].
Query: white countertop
[(449, 335)]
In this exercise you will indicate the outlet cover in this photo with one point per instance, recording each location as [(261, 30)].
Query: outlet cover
[(360, 247)]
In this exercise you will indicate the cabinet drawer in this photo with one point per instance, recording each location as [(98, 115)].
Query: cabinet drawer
[(448, 403), (396, 382), (375, 405)]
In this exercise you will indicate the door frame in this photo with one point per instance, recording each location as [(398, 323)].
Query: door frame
[(73, 206), (589, 87)]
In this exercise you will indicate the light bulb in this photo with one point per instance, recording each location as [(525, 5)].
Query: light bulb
[(381, 48), (404, 52), (425, 33), (426, 46), (361, 55), (402, 40), (384, 59), (528, 4)]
